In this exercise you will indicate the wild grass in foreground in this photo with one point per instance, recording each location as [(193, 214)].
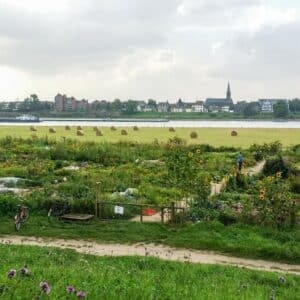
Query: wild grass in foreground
[(239, 240), (63, 271)]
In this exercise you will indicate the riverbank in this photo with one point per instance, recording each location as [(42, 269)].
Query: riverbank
[(208, 116)]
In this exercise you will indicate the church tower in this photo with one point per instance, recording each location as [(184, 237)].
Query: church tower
[(228, 94)]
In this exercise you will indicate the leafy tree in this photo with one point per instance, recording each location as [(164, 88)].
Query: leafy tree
[(251, 109), (240, 106), (152, 103), (130, 106), (295, 105), (281, 110), (116, 105), (31, 103)]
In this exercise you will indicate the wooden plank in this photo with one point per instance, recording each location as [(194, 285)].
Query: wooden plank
[(77, 217)]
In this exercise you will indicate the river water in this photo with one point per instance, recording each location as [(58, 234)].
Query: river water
[(175, 123)]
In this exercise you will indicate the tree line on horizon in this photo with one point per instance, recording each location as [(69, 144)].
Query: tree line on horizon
[(33, 104)]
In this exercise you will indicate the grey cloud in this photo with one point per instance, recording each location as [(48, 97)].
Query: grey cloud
[(214, 13), (268, 53), (89, 35)]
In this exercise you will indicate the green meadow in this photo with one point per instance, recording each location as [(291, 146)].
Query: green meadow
[(213, 136), (132, 278)]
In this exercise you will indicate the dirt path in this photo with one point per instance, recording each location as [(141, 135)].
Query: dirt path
[(256, 169), (159, 251), (216, 188)]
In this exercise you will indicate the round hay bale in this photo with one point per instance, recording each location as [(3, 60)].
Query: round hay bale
[(52, 130), (172, 129), (113, 128), (124, 132), (95, 128), (32, 128), (234, 133), (194, 135), (135, 128), (79, 128), (80, 133), (99, 133), (67, 127)]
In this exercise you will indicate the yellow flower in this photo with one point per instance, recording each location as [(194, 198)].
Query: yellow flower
[(198, 151), (262, 197), (190, 154), (278, 174), (262, 190)]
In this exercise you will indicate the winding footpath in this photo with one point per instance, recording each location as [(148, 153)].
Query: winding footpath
[(158, 251), (216, 188)]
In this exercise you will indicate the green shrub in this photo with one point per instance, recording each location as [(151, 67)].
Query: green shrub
[(8, 204), (227, 217), (261, 151), (295, 184), (275, 165)]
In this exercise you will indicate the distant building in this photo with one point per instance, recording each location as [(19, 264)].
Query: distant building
[(220, 104), (148, 108), (198, 106), (163, 107), (5, 106), (266, 105), (70, 104), (180, 106), (140, 106), (64, 103), (59, 102)]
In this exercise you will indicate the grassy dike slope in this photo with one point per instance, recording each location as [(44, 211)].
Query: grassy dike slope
[(133, 278), (212, 136)]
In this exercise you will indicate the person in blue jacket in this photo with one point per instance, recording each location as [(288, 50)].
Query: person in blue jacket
[(240, 161)]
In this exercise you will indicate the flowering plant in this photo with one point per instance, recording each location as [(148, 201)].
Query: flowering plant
[(272, 204)]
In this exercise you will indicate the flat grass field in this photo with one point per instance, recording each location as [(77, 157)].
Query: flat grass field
[(213, 136), (132, 278)]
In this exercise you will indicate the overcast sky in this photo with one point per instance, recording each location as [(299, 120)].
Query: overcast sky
[(140, 49)]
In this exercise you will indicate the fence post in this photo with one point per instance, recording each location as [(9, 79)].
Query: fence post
[(162, 214), (141, 212), (99, 210), (97, 198), (172, 211)]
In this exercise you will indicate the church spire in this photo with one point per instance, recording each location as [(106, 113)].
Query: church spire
[(228, 94)]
